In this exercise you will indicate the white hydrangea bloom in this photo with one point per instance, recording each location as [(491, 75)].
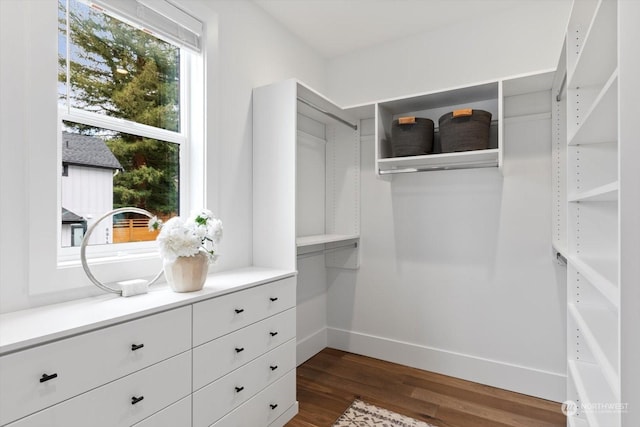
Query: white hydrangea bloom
[(214, 230), (199, 233)]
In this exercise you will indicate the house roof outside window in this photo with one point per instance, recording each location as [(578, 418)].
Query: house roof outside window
[(84, 150), (69, 217)]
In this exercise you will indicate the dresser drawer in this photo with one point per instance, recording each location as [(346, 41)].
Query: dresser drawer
[(227, 313), (176, 415), (213, 401), (40, 377), (112, 405), (219, 357), (265, 407)]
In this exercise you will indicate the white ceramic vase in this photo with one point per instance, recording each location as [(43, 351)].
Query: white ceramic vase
[(187, 273)]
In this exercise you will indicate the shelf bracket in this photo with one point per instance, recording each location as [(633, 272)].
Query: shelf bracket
[(562, 260)]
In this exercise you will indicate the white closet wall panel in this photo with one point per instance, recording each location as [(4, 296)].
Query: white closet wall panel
[(343, 180), (629, 110), (310, 183), (311, 328), (274, 159)]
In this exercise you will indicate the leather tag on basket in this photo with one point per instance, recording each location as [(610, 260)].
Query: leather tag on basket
[(406, 120), (465, 112)]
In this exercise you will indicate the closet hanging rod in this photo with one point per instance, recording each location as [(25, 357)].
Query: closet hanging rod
[(353, 245), (436, 168), (562, 85), (326, 113)]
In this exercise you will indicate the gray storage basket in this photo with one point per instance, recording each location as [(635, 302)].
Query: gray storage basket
[(464, 130), (411, 136)]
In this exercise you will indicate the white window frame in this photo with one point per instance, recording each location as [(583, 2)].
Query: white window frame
[(54, 270)]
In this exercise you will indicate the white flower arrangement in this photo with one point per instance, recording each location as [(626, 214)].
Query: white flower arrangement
[(198, 233)]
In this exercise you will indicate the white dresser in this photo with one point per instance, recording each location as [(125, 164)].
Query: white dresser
[(224, 356)]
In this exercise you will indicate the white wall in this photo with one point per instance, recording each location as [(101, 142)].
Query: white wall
[(456, 269), (519, 40), (245, 48)]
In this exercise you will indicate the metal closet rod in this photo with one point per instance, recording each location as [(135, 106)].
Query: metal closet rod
[(436, 168), (353, 245), (326, 113), (560, 258)]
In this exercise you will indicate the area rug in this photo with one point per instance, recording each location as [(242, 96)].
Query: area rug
[(361, 414)]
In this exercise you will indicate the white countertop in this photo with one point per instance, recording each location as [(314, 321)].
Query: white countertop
[(35, 326)]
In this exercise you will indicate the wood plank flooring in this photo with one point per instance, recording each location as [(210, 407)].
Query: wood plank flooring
[(332, 379)]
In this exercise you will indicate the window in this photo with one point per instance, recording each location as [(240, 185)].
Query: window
[(120, 93), (130, 131)]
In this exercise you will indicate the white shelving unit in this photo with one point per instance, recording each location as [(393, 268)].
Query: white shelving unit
[(485, 96), (594, 208), (306, 177)]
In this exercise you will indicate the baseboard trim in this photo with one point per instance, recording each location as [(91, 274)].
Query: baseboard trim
[(310, 345), (521, 379)]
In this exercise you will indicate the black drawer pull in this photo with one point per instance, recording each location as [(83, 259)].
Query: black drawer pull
[(273, 334), (273, 299), (239, 389), (273, 367), (47, 377), (239, 349), (273, 406), (239, 310), (135, 400), (135, 347)]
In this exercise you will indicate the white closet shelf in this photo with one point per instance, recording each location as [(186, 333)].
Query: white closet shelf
[(603, 193), (597, 59), (321, 239), (596, 324), (600, 122), (602, 274), (458, 160), (593, 390), (577, 422)]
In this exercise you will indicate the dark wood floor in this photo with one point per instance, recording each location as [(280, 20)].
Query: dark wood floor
[(332, 379)]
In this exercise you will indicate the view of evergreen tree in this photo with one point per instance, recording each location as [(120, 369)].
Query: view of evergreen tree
[(121, 71)]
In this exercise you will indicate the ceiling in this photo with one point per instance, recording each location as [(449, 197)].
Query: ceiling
[(337, 27)]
